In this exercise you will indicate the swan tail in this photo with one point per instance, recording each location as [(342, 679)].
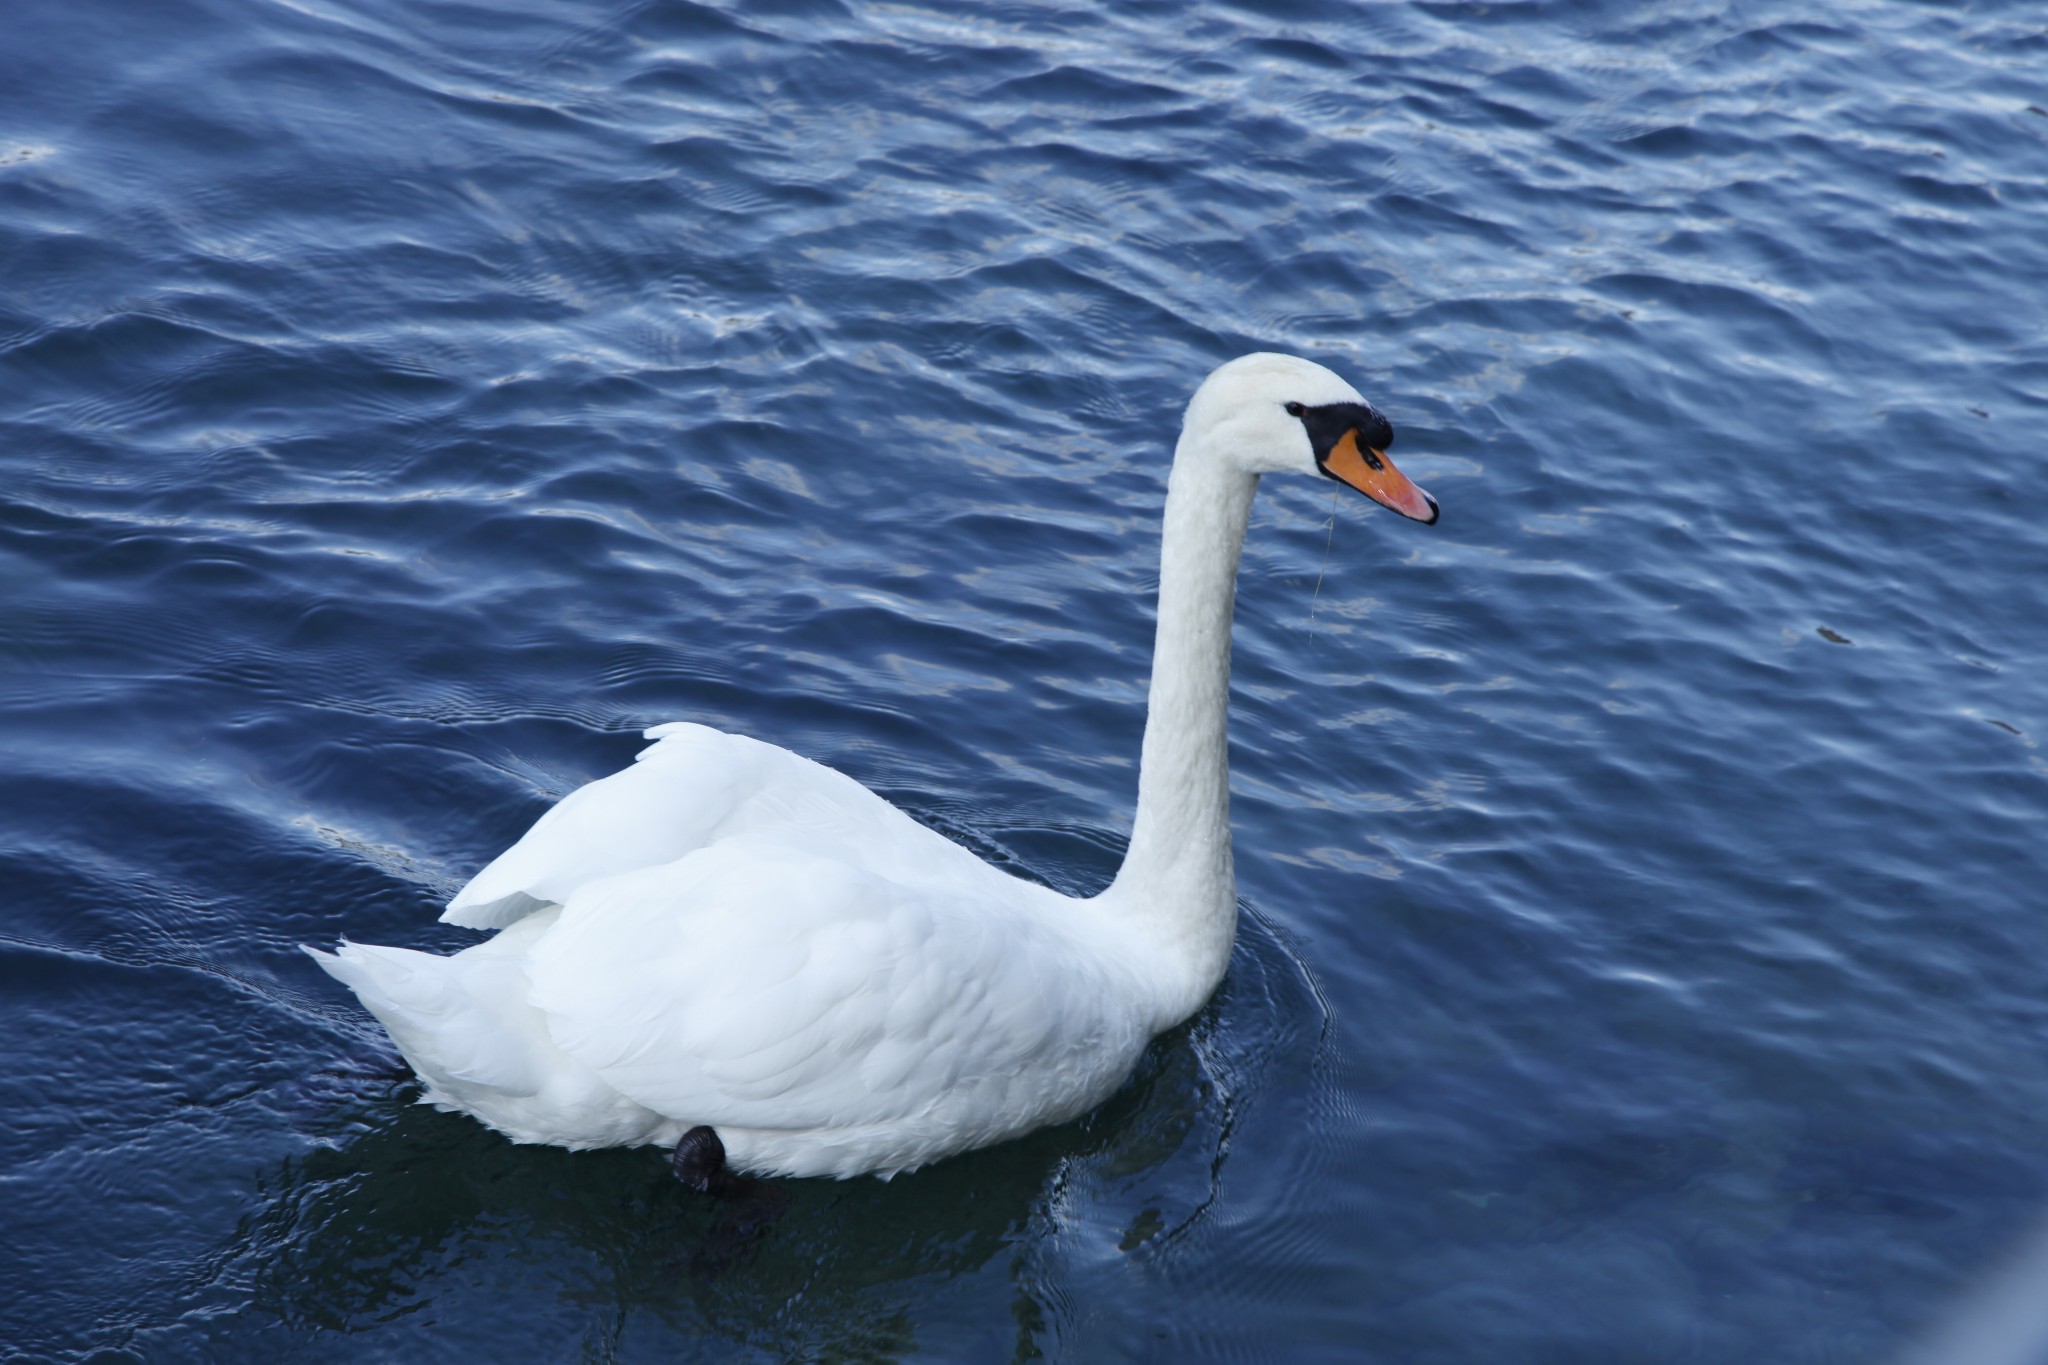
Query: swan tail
[(468, 1031), (453, 1034)]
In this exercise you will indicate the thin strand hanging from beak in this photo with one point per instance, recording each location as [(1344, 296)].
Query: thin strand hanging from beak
[(1328, 541)]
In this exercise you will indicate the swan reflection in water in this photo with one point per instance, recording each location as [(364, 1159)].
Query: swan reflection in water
[(412, 1210)]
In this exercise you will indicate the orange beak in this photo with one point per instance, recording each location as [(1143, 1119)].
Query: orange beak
[(1373, 474)]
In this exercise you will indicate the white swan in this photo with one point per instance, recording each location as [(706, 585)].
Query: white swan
[(734, 949)]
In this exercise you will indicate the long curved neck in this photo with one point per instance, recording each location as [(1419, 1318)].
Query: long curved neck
[(1176, 880)]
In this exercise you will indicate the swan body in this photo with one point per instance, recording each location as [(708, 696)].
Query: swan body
[(726, 934)]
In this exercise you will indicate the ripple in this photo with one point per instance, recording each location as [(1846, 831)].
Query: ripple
[(403, 408)]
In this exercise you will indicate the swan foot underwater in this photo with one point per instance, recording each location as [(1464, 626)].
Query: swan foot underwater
[(747, 957), (750, 1206)]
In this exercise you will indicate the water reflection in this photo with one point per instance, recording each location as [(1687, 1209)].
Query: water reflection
[(407, 1210)]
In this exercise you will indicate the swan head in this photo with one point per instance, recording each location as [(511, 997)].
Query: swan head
[(1277, 414)]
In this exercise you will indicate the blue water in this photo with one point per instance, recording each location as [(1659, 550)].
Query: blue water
[(1645, 948)]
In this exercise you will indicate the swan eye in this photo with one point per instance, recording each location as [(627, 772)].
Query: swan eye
[(1295, 409)]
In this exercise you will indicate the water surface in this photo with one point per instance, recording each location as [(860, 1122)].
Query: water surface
[(403, 404)]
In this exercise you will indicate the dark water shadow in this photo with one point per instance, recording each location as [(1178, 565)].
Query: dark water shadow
[(412, 1224)]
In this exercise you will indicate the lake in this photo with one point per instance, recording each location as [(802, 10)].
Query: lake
[(1644, 875)]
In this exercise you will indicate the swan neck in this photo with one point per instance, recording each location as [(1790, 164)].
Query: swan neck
[(1177, 876)]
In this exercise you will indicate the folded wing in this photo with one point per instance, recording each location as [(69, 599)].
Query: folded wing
[(769, 987), (692, 787)]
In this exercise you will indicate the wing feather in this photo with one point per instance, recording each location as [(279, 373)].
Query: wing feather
[(692, 787), (771, 987)]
